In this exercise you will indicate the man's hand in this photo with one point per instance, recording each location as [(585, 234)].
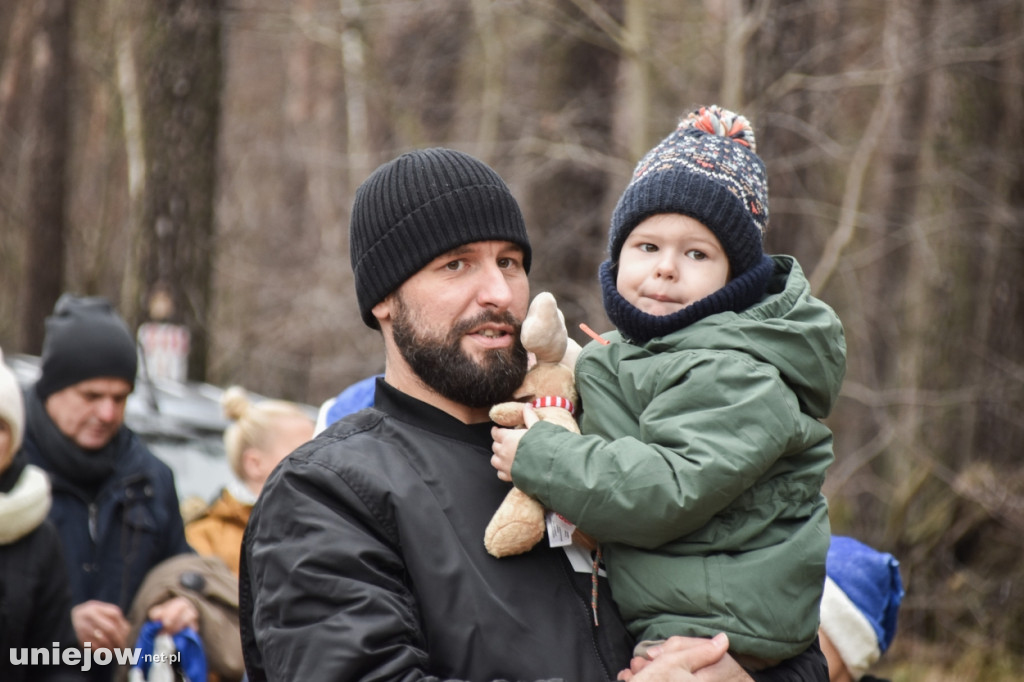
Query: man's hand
[(687, 659), (175, 614), (100, 624), (506, 442)]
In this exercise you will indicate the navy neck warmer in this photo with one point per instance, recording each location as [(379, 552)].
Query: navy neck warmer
[(639, 327)]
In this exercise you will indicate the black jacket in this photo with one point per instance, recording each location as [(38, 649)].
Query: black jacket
[(364, 560), (35, 600)]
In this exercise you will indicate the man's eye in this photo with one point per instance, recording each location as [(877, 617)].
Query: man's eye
[(505, 263), (454, 265)]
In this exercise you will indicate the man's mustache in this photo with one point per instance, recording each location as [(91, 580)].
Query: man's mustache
[(506, 318)]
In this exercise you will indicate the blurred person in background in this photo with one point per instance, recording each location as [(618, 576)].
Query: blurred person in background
[(859, 608), (35, 599), (352, 399), (261, 435), (115, 506)]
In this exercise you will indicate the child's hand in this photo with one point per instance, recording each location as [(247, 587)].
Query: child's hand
[(506, 442)]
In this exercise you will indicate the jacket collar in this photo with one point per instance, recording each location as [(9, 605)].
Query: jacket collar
[(425, 416)]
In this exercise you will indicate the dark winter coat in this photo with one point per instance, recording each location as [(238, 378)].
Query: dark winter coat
[(136, 519), (35, 600)]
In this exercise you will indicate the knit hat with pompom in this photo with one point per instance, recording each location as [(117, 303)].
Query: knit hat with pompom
[(708, 169)]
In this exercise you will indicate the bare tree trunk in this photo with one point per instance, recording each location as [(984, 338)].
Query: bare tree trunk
[(46, 220), (17, 32), (178, 51), (565, 200), (632, 119)]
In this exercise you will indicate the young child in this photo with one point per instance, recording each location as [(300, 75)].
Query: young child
[(260, 436), (702, 455)]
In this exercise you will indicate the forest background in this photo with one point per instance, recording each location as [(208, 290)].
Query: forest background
[(195, 161)]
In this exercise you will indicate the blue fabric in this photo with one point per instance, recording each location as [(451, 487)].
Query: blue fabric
[(352, 399), (871, 579), (187, 642)]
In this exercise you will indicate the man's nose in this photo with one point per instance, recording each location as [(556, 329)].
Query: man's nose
[(494, 288), (107, 409)]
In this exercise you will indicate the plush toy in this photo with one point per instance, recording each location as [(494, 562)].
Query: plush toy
[(550, 388)]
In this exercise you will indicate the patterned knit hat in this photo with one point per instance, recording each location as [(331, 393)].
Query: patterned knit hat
[(706, 169), (85, 339), (419, 206), (12, 408), (861, 602)]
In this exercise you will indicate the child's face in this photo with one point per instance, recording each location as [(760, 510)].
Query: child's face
[(668, 262)]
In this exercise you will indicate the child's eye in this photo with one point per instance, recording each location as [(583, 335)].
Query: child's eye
[(647, 247), (696, 254)]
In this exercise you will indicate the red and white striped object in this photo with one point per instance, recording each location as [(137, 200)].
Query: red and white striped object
[(554, 401)]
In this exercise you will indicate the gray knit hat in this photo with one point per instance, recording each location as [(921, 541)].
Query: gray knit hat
[(85, 339), (419, 206)]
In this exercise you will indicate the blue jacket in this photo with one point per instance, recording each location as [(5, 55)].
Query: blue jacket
[(136, 519)]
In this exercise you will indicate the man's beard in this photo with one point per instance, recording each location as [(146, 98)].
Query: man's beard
[(448, 369)]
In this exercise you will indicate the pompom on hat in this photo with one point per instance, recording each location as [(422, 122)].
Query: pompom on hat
[(418, 206), (12, 407), (85, 339), (707, 169), (861, 601)]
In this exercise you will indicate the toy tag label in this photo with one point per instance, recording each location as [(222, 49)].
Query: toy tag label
[(559, 529)]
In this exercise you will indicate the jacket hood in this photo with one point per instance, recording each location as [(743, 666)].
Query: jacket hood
[(789, 329)]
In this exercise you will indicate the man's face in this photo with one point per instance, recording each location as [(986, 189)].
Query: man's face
[(456, 322), (91, 411)]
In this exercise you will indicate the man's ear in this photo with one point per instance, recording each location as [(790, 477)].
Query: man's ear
[(382, 311)]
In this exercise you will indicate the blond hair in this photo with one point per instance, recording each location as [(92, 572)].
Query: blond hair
[(252, 423)]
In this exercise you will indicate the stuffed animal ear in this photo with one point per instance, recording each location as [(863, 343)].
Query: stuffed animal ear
[(572, 351), (544, 331)]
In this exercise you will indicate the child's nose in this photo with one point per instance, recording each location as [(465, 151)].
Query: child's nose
[(665, 268)]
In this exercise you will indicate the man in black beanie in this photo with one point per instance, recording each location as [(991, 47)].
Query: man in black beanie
[(114, 503), (364, 556)]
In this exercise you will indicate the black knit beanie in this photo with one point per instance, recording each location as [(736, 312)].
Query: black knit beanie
[(85, 339), (707, 169), (419, 206)]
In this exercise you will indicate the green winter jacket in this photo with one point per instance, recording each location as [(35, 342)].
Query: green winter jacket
[(701, 467)]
